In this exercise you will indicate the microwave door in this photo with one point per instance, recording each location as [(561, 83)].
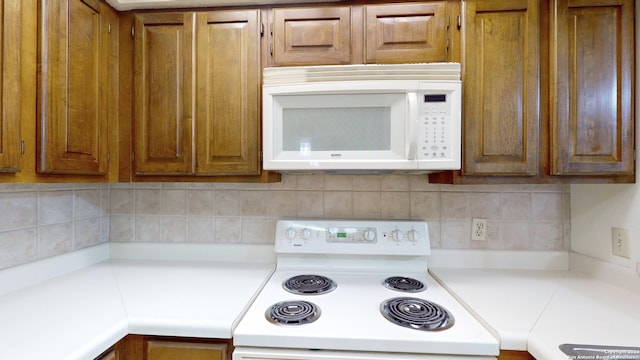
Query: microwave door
[(338, 131)]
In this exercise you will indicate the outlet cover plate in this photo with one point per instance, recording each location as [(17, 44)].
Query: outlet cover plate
[(478, 229), (620, 242)]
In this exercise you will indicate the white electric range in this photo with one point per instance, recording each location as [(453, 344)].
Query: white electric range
[(357, 290)]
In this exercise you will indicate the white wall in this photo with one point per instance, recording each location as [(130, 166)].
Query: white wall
[(597, 208)]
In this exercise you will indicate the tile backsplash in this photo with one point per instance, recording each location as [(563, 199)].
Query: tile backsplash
[(42, 220), (520, 217)]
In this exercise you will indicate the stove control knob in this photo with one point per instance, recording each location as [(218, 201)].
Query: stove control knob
[(413, 236), (397, 235), (369, 235), (305, 234), (290, 234)]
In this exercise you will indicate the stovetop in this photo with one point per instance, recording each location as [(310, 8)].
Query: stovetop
[(350, 315)]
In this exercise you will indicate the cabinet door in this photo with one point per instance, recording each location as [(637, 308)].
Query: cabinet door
[(399, 33), (228, 88), (501, 87), (10, 26), (592, 87), (164, 99), (312, 36), (171, 350), (73, 65)]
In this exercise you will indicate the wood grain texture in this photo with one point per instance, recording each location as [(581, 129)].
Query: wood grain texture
[(164, 99), (10, 85), (73, 87), (501, 88), (146, 347), (515, 355), (592, 88), (228, 88), (410, 32), (312, 36)]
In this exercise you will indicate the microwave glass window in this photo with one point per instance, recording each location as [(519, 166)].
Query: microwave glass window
[(336, 129)]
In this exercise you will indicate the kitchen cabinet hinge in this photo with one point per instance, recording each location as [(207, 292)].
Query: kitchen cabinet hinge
[(261, 29), (133, 31), (271, 50), (459, 19), (21, 147), (108, 156), (271, 29), (109, 28)]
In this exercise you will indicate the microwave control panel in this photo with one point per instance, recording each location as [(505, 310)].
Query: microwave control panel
[(434, 126)]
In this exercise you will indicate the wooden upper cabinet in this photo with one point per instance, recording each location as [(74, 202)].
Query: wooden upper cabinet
[(312, 36), (592, 87), (73, 64), (411, 32), (501, 87), (164, 100), (10, 73), (228, 88)]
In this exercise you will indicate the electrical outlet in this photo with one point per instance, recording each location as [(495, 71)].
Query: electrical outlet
[(478, 229), (620, 242)]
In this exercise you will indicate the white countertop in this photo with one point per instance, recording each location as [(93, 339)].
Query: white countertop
[(80, 314), (96, 296), (537, 310)]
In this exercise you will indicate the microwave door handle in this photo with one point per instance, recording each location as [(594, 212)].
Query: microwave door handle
[(412, 100)]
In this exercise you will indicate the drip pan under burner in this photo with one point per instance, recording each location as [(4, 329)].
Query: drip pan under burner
[(309, 284), (294, 312), (416, 314), (404, 284)]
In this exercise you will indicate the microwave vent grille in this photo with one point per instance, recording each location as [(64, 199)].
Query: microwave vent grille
[(328, 73)]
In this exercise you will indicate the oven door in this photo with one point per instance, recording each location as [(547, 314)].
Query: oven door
[(251, 353)]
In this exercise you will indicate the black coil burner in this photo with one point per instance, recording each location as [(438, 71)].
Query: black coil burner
[(404, 284), (294, 312), (309, 285), (416, 314)]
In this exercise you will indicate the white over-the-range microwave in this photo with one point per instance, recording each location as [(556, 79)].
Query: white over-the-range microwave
[(391, 118)]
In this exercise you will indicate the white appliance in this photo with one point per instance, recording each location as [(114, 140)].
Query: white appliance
[(402, 118), (357, 290)]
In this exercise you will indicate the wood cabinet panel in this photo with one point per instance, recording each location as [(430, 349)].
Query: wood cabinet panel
[(164, 99), (398, 33), (73, 87), (109, 355), (147, 347), (171, 350), (501, 87), (10, 84), (591, 93), (311, 36), (228, 73)]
